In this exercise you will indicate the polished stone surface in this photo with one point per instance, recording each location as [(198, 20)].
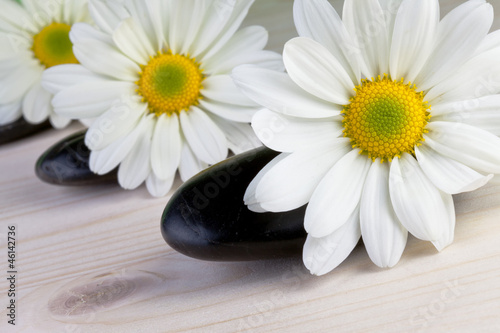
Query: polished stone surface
[(20, 129), (67, 163), (207, 219)]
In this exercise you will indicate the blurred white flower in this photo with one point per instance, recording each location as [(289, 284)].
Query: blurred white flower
[(34, 36), (156, 77)]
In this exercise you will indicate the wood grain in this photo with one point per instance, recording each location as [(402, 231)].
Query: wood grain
[(93, 260)]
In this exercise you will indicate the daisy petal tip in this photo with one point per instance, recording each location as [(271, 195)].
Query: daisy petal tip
[(383, 261), (158, 188), (316, 227), (442, 244), (439, 247), (386, 264), (316, 260), (242, 70), (248, 198), (476, 185), (380, 265), (315, 230), (256, 208), (313, 266), (316, 271)]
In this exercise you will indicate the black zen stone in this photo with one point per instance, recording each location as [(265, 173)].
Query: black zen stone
[(20, 129), (67, 163), (207, 219)]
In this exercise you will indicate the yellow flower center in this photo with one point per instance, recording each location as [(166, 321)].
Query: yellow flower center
[(53, 47), (386, 118), (170, 83)]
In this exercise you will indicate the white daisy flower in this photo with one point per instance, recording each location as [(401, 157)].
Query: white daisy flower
[(382, 117), (34, 36), (157, 78)]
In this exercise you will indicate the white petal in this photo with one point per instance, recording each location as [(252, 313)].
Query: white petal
[(415, 28), (190, 165), (291, 182), (44, 14), (263, 59), (132, 41), (486, 119), (184, 20), (14, 17), (248, 39), (115, 123), (481, 112), (240, 136), (242, 48), (60, 77), (337, 195), (464, 110), (13, 60), (222, 89), (84, 32), (466, 144), (18, 82), (313, 68), (75, 11), (231, 112), (322, 255), (90, 99), (316, 19), (36, 104), (107, 14), (135, 168), (449, 227), (490, 42), (58, 121), (288, 134), (151, 17), (383, 235), (459, 34), (447, 174), (218, 26), (479, 77), (10, 112), (158, 21), (105, 160), (390, 9), (205, 138), (14, 46), (417, 202), (158, 187), (249, 197), (104, 59), (365, 21), (277, 92), (166, 147)]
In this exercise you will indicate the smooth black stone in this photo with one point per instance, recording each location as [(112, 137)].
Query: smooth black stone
[(67, 163), (207, 219), (20, 129)]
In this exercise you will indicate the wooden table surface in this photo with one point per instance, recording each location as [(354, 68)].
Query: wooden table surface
[(93, 260)]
